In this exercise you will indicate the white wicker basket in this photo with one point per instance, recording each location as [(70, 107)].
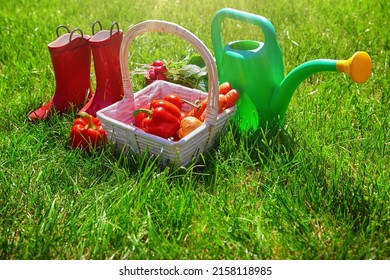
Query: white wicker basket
[(117, 119)]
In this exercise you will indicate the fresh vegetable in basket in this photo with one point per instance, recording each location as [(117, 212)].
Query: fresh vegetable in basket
[(187, 125), (232, 97), (87, 133), (198, 111), (222, 105), (141, 115), (165, 118), (174, 99), (228, 97), (178, 101), (162, 119), (156, 71), (225, 87)]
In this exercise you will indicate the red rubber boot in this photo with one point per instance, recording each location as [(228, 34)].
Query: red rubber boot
[(105, 47), (71, 58)]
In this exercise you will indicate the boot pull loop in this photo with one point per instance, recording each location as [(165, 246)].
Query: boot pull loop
[(93, 26), (62, 26), (73, 31), (112, 26)]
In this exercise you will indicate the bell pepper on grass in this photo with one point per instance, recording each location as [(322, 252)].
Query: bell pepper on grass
[(163, 118), (87, 133)]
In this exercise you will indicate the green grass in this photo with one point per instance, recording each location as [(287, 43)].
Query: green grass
[(319, 189)]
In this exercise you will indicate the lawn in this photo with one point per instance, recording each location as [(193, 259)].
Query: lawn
[(318, 189)]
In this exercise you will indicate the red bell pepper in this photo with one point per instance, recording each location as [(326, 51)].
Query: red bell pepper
[(87, 133), (174, 99), (163, 118), (178, 101), (141, 116)]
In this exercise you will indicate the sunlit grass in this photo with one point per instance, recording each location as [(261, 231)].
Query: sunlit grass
[(317, 189)]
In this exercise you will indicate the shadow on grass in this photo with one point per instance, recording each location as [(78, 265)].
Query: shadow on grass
[(255, 148)]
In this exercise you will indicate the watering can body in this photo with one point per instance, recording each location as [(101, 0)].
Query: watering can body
[(256, 70)]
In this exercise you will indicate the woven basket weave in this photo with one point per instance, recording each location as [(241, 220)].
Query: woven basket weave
[(117, 119)]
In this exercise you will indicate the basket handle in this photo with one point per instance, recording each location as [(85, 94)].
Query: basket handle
[(171, 28)]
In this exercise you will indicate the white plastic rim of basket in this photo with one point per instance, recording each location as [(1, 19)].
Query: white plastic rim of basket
[(172, 28)]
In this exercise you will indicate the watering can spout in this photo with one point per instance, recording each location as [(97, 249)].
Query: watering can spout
[(358, 67)]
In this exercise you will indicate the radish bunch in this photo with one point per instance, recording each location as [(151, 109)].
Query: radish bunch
[(157, 71), (190, 72)]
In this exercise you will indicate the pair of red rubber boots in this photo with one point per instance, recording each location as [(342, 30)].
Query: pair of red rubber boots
[(71, 58)]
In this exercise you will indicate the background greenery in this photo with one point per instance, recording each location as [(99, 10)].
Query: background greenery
[(318, 190)]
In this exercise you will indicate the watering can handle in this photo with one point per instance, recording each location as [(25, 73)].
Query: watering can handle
[(260, 21)]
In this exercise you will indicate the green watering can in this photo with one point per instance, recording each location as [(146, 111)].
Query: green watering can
[(256, 70)]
